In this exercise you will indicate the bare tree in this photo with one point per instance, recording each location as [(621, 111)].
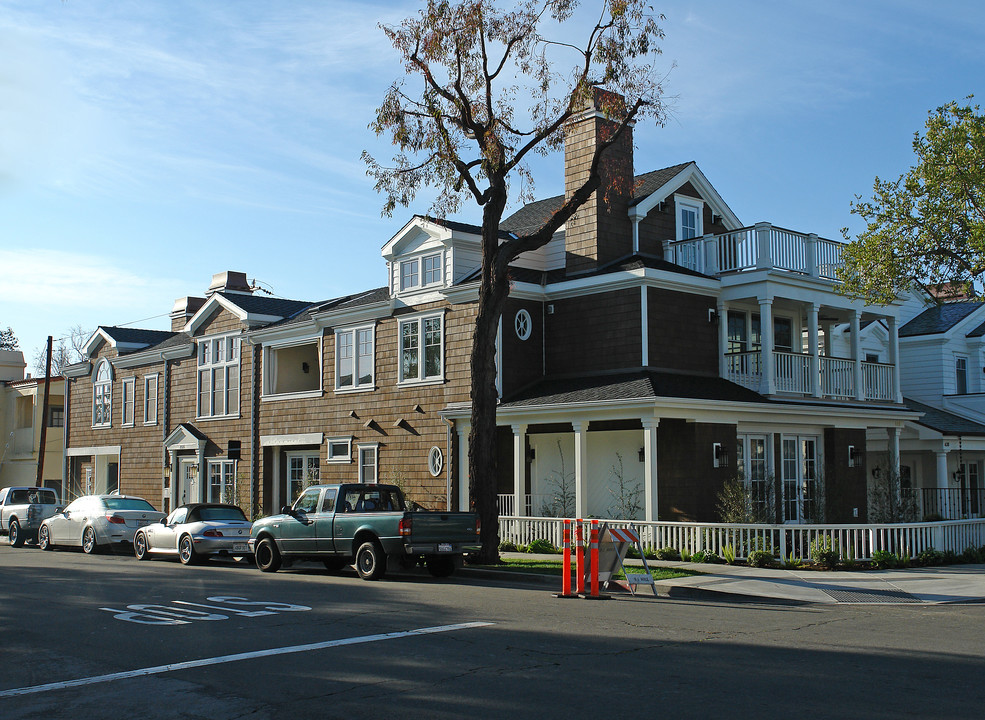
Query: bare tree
[(68, 349), (497, 87)]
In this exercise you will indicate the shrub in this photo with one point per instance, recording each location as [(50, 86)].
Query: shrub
[(791, 563), (712, 558), (698, 557), (728, 554), (971, 555), (930, 557), (668, 553), (541, 546), (824, 552), (885, 560), (508, 546), (949, 557), (687, 557), (760, 558)]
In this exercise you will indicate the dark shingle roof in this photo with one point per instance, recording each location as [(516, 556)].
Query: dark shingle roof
[(533, 215), (136, 336), (943, 421), (261, 305), (939, 318), (631, 386), (346, 302)]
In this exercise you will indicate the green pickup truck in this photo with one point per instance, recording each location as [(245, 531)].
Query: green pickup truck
[(366, 525)]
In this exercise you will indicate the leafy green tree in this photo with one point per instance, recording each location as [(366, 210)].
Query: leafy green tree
[(496, 87), (8, 341), (928, 226)]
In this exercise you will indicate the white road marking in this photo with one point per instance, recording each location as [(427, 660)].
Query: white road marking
[(189, 664)]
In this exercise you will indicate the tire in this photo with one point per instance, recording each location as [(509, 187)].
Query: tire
[(442, 566), (140, 547), (14, 534), (186, 551), (44, 538), (267, 555), (89, 541), (371, 560), (334, 564)]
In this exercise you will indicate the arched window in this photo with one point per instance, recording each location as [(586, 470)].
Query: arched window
[(102, 395)]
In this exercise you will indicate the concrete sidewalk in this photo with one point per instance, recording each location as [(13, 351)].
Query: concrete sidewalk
[(949, 584)]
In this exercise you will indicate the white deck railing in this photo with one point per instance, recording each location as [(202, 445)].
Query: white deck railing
[(853, 542), (761, 246), (792, 374)]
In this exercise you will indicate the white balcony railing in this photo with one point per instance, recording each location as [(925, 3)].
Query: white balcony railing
[(761, 246), (792, 375)]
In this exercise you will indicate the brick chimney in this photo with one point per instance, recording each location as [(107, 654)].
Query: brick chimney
[(600, 231), (183, 310)]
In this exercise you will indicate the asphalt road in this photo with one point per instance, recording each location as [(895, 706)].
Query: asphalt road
[(110, 637)]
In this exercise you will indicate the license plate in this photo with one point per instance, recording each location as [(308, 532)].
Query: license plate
[(444, 547), (240, 547)]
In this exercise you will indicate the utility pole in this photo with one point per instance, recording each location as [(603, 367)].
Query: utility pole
[(44, 416)]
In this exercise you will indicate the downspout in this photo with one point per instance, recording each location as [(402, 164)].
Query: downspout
[(65, 435), (254, 424), (165, 431)]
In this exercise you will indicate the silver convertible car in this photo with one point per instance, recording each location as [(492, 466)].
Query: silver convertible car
[(94, 520), (195, 531)]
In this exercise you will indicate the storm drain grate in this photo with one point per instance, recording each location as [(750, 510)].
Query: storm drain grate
[(871, 596)]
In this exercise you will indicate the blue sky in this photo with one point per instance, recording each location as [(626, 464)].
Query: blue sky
[(145, 146)]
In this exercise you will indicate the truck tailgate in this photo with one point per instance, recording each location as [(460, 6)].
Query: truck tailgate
[(433, 528)]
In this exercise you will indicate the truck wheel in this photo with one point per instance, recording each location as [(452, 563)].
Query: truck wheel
[(14, 534), (89, 541), (442, 566), (140, 546), (267, 556), (370, 560), (44, 538), (186, 551)]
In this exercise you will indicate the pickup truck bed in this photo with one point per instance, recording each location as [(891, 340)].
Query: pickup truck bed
[(23, 509), (364, 524)]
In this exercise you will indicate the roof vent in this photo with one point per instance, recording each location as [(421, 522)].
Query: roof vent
[(229, 281)]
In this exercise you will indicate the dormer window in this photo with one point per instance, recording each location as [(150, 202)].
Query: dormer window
[(420, 272)]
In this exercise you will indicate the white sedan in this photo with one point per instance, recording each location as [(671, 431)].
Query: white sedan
[(195, 531), (94, 520)]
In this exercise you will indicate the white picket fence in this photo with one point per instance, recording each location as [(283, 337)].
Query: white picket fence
[(853, 542)]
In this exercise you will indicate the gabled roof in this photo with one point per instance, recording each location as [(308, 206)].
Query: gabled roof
[(944, 422), (648, 189), (125, 339), (938, 319), (630, 386), (254, 310), (346, 302)]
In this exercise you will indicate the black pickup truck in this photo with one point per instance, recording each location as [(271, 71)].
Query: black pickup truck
[(367, 525)]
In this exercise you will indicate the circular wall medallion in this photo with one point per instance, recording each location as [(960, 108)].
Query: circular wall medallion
[(523, 324), (436, 461)]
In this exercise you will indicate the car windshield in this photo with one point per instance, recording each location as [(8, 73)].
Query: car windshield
[(125, 503), (220, 513)]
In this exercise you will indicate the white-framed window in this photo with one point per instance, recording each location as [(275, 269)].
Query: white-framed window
[(302, 472), (753, 467), (222, 481), (354, 358), (368, 462), (690, 222), (292, 369), (127, 404), (339, 449), (218, 376), (523, 324), (960, 375), (150, 400), (102, 395), (422, 348), (436, 461), (421, 272)]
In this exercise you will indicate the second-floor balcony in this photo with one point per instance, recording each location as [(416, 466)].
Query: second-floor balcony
[(759, 247), (833, 378)]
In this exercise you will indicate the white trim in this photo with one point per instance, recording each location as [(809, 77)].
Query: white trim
[(93, 450), (102, 383), (436, 472), (419, 319), (527, 324), (212, 365), (354, 330), (375, 447), (691, 173), (132, 401), (301, 395), (269, 367), (291, 440), (338, 459), (157, 390), (686, 202)]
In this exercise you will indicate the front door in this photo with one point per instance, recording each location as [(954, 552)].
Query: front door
[(799, 468), (187, 481)]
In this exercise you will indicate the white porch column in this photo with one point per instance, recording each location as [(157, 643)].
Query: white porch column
[(581, 467), (173, 470), (710, 246), (464, 500), (203, 476), (810, 255), (857, 355), (275, 482), (519, 469), (764, 250), (645, 329), (723, 340), (894, 461), (767, 384), (943, 483), (812, 348), (650, 467), (826, 329), (894, 357)]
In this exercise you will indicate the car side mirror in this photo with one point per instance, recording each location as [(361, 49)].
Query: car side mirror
[(285, 510), (67, 513)]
